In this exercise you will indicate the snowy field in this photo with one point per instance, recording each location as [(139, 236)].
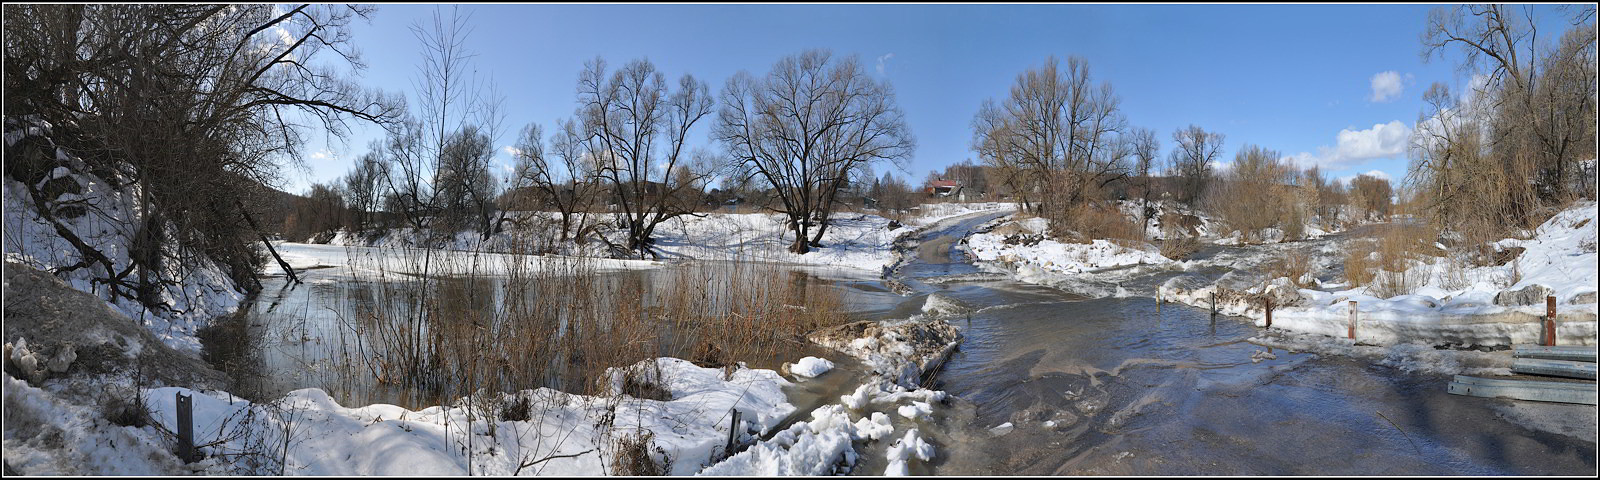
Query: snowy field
[(370, 262), (854, 240)]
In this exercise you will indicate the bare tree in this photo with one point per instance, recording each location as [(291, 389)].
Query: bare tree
[(1194, 151), (464, 185), (194, 104), (565, 175), (806, 127), (1257, 193), (1539, 102), (636, 129), (1055, 136), (363, 185), (438, 173), (1372, 196), (1146, 158)]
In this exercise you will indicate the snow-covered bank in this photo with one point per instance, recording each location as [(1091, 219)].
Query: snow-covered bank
[(106, 219), (833, 440), (1022, 250), (415, 261), (539, 432), (1487, 305), (1023, 245), (853, 240)]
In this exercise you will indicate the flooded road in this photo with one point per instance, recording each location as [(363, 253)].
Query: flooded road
[(1122, 386), (1048, 382)]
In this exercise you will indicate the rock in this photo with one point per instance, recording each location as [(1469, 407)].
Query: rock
[(1529, 295), (68, 329), (63, 358), (1583, 298)]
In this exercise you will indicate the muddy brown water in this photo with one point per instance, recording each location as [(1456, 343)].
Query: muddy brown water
[(1101, 386)]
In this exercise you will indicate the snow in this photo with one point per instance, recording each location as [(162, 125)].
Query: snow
[(1007, 427), (377, 261), (39, 423), (916, 410), (907, 447), (898, 351), (1021, 249), (811, 367), (853, 240), (821, 446), (1555, 258), (202, 290)]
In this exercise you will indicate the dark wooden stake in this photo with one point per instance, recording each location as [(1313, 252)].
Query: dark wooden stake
[(186, 428), (1213, 303), (733, 433), (1550, 320), (1269, 314)]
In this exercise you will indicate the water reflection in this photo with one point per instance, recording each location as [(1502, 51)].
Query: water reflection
[(348, 337)]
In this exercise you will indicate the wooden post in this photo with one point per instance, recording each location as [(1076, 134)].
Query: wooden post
[(1213, 303), (1352, 319), (1269, 314), (185, 428), (1550, 320), (733, 434)]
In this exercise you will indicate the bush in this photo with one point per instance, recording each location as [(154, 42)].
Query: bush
[(633, 457), (644, 381), (1292, 265)]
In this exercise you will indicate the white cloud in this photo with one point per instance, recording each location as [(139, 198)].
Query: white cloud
[(1371, 173), (510, 150), (882, 60), (323, 154), (1355, 147), (1387, 86)]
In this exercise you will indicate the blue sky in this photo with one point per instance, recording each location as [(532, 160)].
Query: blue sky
[(1299, 79)]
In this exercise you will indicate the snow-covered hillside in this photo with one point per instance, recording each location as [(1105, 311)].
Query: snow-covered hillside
[(105, 218)]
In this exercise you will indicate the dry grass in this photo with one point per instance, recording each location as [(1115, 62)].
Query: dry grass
[(454, 332), (632, 457), (1090, 221), (1294, 265), (1384, 263)]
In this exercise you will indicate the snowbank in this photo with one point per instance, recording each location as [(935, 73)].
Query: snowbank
[(1022, 245), (1487, 305), (898, 351), (372, 261), (853, 240), (1021, 249), (572, 434), (199, 291), (811, 367)]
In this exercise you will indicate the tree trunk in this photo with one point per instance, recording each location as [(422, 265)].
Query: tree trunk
[(800, 244), (264, 241)]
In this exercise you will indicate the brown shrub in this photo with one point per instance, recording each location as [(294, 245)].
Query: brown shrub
[(1292, 265), (632, 457), (1087, 222)]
